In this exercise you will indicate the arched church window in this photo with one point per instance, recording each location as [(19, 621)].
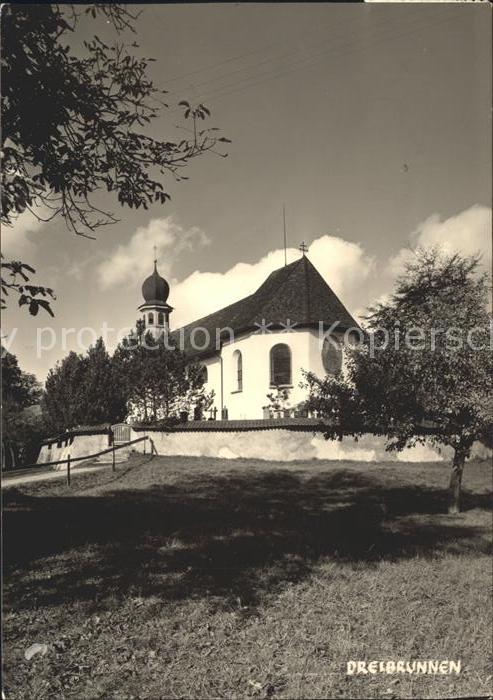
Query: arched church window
[(238, 370), (160, 319), (204, 374), (280, 365), (332, 355), (150, 319)]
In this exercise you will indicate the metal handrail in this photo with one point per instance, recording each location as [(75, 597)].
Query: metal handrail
[(113, 448)]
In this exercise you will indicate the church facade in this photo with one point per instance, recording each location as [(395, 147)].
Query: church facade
[(254, 351)]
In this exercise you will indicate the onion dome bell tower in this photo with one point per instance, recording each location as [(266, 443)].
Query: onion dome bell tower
[(155, 309)]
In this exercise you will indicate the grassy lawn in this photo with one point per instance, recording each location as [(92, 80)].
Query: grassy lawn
[(207, 578)]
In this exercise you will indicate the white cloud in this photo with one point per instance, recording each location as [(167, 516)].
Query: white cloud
[(77, 268), (17, 239), (469, 233), (346, 266), (130, 263), (360, 313), (343, 265)]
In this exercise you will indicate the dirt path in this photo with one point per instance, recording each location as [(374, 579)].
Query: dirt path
[(11, 480)]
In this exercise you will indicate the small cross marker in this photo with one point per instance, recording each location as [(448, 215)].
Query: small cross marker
[(155, 254), (303, 247)]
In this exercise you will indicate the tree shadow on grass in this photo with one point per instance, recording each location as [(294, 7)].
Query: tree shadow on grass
[(231, 536)]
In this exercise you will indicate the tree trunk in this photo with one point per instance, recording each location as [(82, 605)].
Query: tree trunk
[(459, 459)]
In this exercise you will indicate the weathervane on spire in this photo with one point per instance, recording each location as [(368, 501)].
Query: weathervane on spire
[(155, 255), (303, 247)]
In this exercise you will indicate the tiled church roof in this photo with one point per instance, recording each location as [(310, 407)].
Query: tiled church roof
[(296, 293)]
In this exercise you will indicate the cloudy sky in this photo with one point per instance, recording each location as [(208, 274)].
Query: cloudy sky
[(370, 122)]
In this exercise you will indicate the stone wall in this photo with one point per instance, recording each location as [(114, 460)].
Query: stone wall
[(288, 445), (276, 444), (76, 446)]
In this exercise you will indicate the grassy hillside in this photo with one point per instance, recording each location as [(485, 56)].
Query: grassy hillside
[(193, 577)]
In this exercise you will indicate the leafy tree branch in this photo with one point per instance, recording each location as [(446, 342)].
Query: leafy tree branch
[(75, 126)]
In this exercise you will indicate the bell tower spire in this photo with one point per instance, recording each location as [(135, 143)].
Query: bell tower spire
[(155, 310)]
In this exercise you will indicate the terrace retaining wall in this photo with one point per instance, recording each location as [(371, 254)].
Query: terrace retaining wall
[(75, 445), (272, 443), (287, 445)]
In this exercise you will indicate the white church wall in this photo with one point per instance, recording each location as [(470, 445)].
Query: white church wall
[(315, 364), (316, 339), (213, 365), (255, 350), (306, 354)]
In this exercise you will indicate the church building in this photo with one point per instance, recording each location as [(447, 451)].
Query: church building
[(259, 345)]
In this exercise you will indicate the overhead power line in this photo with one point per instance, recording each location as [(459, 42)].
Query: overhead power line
[(313, 60), (232, 59)]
